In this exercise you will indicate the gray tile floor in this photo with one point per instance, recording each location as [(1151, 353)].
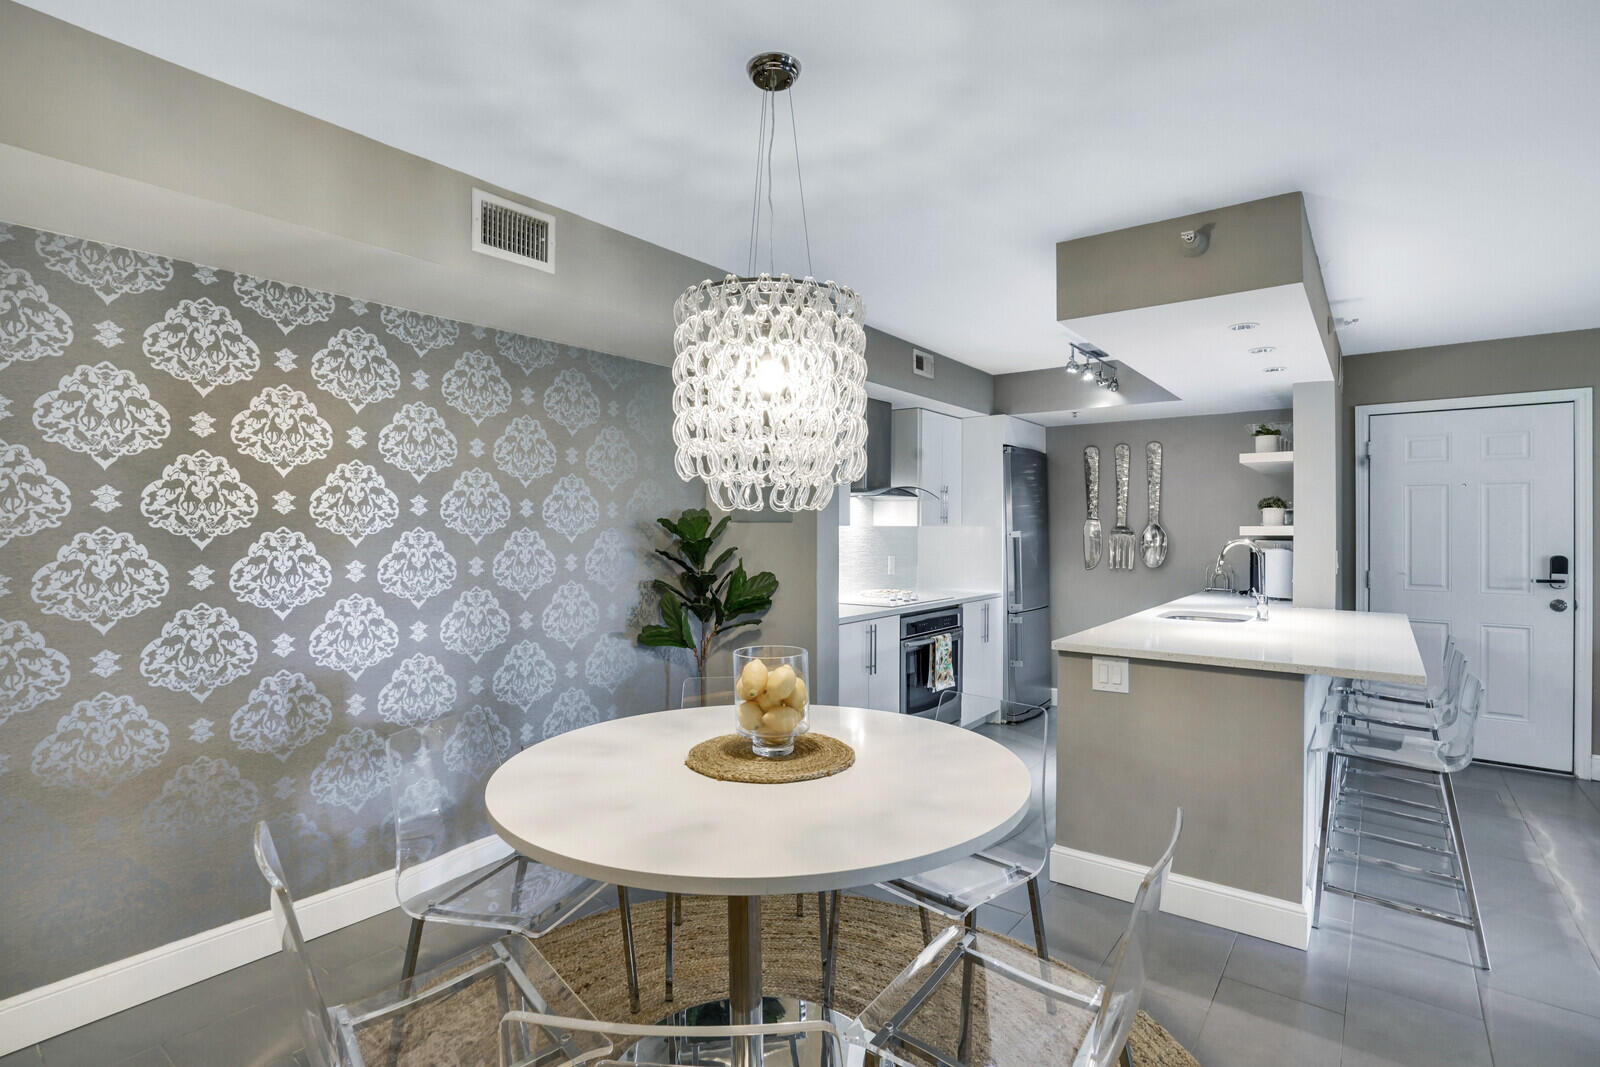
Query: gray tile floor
[(1376, 988)]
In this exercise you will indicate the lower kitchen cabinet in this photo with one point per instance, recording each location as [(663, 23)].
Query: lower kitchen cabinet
[(983, 648), (869, 664)]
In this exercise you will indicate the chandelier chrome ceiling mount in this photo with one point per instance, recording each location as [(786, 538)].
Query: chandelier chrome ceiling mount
[(769, 377)]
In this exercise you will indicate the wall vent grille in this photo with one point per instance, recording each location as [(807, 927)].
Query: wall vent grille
[(922, 363), (512, 232)]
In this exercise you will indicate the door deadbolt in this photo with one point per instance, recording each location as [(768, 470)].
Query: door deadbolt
[(1558, 605)]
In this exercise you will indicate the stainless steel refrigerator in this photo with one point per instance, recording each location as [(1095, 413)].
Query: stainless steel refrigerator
[(1027, 543)]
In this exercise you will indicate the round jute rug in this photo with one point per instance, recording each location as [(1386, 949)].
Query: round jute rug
[(876, 938)]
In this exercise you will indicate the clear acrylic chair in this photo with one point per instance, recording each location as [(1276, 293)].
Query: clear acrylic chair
[(1389, 818), (448, 869), (531, 1030), (446, 1015), (1426, 708), (1030, 1011), (712, 691), (956, 890)]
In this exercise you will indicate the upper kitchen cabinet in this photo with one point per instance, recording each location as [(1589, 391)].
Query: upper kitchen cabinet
[(927, 454)]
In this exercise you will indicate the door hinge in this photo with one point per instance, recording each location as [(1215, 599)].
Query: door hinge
[(1366, 448), (1366, 579)]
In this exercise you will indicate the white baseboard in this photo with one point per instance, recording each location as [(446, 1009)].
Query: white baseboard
[(1594, 767), (39, 1014), (1271, 918)]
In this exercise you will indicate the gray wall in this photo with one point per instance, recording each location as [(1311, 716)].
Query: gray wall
[(1481, 368), (1206, 495), (160, 691)]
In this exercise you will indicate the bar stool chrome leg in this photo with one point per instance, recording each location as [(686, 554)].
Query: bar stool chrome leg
[(1466, 869), (1323, 826)]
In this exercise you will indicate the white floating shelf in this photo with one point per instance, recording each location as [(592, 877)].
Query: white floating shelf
[(1268, 462), (1286, 532)]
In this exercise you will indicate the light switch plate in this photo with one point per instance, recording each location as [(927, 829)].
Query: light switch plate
[(1110, 674)]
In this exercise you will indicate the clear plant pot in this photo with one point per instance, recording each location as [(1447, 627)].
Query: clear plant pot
[(772, 684)]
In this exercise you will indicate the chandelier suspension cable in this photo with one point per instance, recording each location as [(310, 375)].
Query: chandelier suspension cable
[(799, 181), (772, 136), (755, 196)]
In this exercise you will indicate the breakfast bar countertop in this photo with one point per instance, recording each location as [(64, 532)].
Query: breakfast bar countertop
[(1375, 646)]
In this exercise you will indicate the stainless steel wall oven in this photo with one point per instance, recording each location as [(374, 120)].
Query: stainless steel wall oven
[(918, 634)]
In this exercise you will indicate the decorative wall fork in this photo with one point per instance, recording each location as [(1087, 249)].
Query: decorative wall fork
[(1122, 539)]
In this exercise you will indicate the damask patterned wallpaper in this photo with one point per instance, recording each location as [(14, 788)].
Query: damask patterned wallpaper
[(247, 529)]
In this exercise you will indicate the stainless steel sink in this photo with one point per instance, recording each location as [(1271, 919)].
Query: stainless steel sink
[(1205, 616)]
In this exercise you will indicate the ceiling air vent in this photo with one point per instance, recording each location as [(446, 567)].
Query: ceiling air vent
[(510, 231)]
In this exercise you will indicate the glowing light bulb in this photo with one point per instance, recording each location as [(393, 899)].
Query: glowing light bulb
[(769, 376)]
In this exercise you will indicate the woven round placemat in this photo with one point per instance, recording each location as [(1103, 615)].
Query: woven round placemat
[(728, 759)]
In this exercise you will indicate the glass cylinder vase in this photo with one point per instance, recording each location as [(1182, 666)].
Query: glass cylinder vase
[(772, 684)]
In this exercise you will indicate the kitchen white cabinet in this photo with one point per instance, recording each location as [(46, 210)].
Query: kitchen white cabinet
[(982, 648), (869, 664), (927, 454)]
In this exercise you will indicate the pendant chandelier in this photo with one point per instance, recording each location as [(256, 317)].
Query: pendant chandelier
[(769, 400)]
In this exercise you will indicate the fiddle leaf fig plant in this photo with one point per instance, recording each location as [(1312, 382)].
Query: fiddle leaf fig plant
[(707, 600)]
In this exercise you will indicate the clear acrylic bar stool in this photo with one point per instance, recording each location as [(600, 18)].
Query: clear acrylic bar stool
[(1389, 817), (1032, 1012), (1426, 708), (424, 1013), (447, 869)]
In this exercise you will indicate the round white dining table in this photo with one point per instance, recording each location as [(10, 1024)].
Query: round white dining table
[(615, 801)]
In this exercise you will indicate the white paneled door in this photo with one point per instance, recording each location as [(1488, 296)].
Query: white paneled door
[(1466, 509)]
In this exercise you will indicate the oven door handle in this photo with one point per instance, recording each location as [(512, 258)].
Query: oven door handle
[(924, 642)]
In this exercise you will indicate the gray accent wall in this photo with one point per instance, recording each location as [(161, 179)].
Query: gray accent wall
[(1481, 368), (250, 529), (1206, 495)]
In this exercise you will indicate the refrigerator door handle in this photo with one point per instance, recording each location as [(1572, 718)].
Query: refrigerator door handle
[(1016, 643), (1015, 590)]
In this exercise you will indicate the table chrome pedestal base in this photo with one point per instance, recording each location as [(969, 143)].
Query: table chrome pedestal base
[(804, 1050)]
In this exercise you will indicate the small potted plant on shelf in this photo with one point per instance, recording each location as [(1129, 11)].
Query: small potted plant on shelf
[(1268, 438), (1272, 510)]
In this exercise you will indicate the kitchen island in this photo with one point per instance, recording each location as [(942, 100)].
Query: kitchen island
[(1197, 703)]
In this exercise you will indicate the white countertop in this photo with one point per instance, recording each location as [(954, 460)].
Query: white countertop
[(939, 598), (1345, 644), (614, 801)]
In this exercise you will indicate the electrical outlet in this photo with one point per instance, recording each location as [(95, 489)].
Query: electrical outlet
[(890, 567), (1110, 674)]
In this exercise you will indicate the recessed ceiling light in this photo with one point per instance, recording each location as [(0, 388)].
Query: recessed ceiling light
[(1240, 327), (1273, 370), (1261, 350)]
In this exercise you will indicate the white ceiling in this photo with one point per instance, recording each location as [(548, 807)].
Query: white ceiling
[(1447, 148)]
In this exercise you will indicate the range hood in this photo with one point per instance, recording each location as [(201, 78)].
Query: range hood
[(879, 479)]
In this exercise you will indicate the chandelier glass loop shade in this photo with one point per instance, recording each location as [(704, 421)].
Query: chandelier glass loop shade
[(769, 400), (770, 397)]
